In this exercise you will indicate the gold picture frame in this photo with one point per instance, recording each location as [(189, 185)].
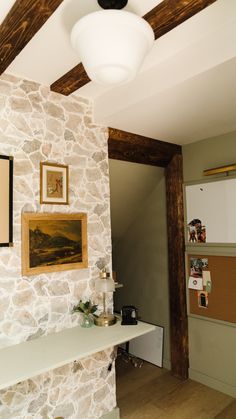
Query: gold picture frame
[(53, 242), (54, 183)]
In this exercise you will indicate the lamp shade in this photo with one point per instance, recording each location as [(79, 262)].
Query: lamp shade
[(112, 45), (105, 285)]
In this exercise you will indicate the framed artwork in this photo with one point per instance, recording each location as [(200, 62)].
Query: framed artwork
[(6, 201), (53, 242), (54, 181)]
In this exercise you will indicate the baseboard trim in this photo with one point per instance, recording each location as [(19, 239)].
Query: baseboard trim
[(166, 364), (114, 414), (212, 382)]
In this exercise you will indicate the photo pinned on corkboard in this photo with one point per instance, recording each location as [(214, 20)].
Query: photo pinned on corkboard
[(196, 231), (53, 242), (54, 182)]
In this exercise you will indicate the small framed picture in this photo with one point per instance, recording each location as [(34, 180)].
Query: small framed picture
[(202, 299), (54, 183)]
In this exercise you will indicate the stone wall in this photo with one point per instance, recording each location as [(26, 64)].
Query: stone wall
[(37, 125)]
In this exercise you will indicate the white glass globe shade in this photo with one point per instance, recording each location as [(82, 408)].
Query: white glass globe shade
[(104, 285), (112, 45)]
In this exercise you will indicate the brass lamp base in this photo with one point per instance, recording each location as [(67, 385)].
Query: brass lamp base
[(105, 320)]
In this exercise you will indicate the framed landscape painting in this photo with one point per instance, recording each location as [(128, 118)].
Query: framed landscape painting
[(53, 242), (54, 183)]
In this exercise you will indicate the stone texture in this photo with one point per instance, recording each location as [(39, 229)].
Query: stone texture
[(31, 146), (5, 88), (73, 122), (24, 318), (37, 403), (53, 110), (35, 100), (4, 304), (20, 105), (29, 86), (22, 167), (69, 136), (59, 288), (23, 298), (38, 125), (54, 126), (73, 107), (20, 123)]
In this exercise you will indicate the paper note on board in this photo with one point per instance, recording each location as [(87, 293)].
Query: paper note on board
[(195, 283), (206, 276), (208, 287)]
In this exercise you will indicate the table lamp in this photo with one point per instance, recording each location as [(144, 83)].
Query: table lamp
[(104, 285)]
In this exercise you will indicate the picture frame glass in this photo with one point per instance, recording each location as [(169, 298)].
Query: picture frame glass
[(6, 201), (53, 242), (54, 184)]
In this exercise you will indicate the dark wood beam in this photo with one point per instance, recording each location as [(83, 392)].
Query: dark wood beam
[(25, 18), (164, 17), (135, 148), (171, 13), (177, 282), (71, 81)]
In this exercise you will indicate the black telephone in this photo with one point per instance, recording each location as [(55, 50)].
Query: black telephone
[(129, 315)]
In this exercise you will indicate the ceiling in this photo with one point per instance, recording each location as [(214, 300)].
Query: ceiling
[(185, 91)]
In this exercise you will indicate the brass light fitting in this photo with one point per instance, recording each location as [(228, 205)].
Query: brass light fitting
[(104, 285), (221, 169)]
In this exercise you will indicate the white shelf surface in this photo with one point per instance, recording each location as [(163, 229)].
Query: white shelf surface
[(28, 359)]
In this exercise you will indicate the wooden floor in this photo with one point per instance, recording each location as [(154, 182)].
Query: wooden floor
[(152, 393)]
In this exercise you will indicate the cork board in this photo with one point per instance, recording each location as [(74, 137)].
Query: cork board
[(222, 299)]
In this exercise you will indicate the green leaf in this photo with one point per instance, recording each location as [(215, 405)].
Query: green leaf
[(85, 307)]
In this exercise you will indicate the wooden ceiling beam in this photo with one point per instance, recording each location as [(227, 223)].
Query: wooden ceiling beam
[(71, 81), (22, 22), (163, 18), (169, 14), (136, 148)]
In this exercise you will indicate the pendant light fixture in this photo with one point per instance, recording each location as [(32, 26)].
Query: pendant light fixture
[(112, 43)]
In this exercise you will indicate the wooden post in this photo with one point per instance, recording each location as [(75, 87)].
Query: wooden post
[(135, 148), (177, 284)]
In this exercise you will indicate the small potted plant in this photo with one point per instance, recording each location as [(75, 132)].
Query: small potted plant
[(87, 309)]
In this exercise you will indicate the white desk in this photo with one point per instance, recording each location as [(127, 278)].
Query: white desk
[(23, 361)]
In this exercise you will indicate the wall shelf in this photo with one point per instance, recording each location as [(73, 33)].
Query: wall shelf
[(28, 359)]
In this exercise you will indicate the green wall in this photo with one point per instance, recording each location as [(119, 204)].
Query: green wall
[(212, 344), (141, 261), (212, 152)]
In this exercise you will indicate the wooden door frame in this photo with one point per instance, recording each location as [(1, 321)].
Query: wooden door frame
[(138, 149)]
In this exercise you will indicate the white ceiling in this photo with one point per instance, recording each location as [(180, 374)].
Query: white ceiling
[(186, 90)]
